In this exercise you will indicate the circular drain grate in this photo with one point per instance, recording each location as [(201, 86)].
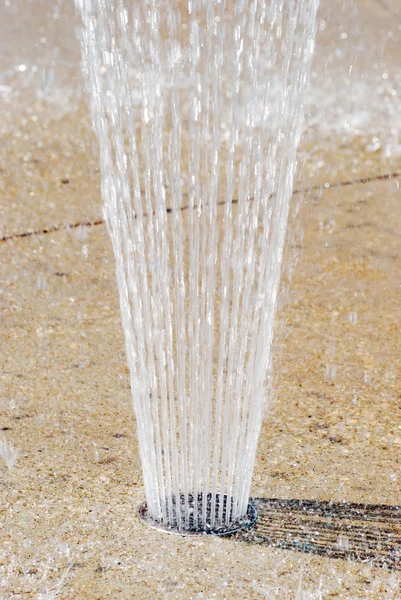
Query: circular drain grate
[(195, 526)]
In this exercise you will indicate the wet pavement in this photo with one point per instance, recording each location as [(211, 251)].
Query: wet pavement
[(327, 480)]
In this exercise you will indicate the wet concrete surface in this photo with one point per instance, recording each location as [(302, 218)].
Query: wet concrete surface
[(327, 478)]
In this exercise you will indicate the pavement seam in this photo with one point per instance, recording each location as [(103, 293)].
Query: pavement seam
[(323, 187)]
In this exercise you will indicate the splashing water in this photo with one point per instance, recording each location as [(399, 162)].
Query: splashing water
[(198, 108), (8, 453)]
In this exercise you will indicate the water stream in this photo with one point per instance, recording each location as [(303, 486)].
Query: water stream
[(198, 109)]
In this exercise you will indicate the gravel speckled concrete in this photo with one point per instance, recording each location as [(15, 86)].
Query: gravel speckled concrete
[(68, 521), (69, 505)]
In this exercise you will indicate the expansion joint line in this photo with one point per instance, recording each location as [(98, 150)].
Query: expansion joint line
[(323, 187)]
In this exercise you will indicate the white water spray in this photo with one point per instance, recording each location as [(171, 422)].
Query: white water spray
[(197, 106)]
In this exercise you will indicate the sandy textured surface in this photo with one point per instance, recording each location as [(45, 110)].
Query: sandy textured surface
[(69, 522), (333, 435)]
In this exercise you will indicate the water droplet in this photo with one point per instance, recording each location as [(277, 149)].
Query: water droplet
[(353, 318), (343, 542), (81, 233), (331, 371), (8, 453), (41, 282)]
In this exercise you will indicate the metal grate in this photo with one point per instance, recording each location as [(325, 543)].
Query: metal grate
[(192, 518)]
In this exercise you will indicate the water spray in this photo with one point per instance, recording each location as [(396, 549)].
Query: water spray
[(198, 106)]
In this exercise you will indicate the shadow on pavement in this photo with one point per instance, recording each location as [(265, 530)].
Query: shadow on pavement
[(365, 533)]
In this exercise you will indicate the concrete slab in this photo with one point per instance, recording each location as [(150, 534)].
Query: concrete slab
[(68, 506), (48, 156)]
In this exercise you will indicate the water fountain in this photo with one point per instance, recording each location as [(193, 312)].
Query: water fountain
[(198, 109)]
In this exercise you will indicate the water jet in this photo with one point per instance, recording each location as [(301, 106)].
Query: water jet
[(198, 109)]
